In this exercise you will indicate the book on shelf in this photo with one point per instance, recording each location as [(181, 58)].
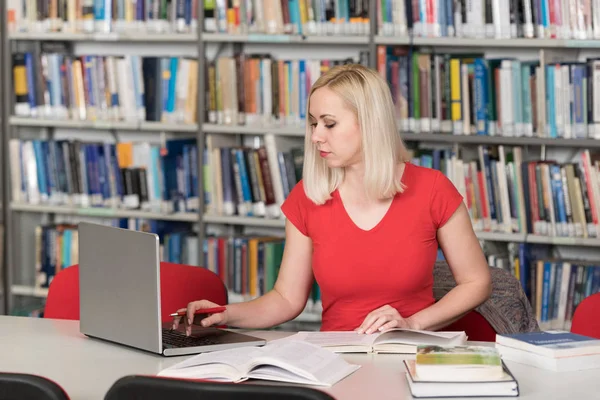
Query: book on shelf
[(454, 376), (471, 93), (395, 340), (102, 17), (505, 193), (283, 361), (554, 286), (257, 89), (553, 350), (491, 19), (51, 83), (126, 175)]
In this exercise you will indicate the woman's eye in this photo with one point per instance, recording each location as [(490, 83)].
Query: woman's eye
[(330, 126)]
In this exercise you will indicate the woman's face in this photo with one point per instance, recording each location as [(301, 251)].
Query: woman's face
[(334, 129)]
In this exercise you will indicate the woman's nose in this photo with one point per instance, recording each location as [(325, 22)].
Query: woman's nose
[(316, 136)]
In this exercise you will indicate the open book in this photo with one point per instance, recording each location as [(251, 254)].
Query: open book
[(396, 340), (284, 361)]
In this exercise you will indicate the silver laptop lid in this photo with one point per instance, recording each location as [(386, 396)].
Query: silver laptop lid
[(119, 286)]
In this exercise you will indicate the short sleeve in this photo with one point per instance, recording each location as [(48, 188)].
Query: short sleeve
[(295, 208), (445, 199)]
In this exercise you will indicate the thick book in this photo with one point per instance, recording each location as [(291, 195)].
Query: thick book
[(504, 386), (552, 350), (282, 360), (551, 343), (396, 340)]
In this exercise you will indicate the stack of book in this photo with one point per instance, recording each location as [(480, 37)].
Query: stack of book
[(459, 371), (553, 350)]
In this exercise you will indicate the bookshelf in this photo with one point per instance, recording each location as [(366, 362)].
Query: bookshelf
[(200, 44)]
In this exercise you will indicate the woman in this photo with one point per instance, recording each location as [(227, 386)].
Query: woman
[(366, 224)]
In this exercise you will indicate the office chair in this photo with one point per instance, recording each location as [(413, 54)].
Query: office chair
[(18, 386), (585, 317), (138, 387), (179, 285)]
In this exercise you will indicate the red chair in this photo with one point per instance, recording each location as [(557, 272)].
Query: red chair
[(585, 318), (476, 327), (179, 285)]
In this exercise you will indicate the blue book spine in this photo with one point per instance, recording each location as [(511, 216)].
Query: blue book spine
[(578, 111), (188, 12), (49, 169), (589, 281), (294, 8), (246, 191), (524, 269), (63, 180), (596, 283), (187, 190), (526, 103), (156, 171), (41, 170), (545, 13), (116, 171), (558, 267), (551, 111), (442, 18), (89, 169), (546, 290), (227, 176), (31, 94), (194, 171), (103, 174), (559, 200), (303, 94), (481, 117), (88, 82), (172, 84), (450, 17), (166, 73), (56, 92), (140, 11)]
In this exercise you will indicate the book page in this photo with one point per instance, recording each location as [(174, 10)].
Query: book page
[(410, 336), (303, 359), (332, 339), (239, 358), (212, 371)]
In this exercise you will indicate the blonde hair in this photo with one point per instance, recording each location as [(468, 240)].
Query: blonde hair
[(368, 96)]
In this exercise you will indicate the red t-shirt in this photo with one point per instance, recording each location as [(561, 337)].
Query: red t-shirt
[(359, 271)]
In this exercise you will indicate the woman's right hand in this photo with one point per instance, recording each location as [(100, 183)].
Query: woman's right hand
[(205, 319)]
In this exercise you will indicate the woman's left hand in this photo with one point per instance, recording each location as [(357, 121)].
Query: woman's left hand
[(383, 318)]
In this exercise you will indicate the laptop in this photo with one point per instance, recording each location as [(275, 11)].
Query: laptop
[(119, 294)]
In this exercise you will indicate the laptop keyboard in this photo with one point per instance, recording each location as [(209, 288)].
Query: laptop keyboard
[(176, 339)]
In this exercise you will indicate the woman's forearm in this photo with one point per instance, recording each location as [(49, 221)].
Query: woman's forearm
[(456, 303), (264, 312)]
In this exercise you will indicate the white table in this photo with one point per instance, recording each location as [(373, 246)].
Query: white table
[(86, 368)]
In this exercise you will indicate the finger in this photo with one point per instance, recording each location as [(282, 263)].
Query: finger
[(379, 322), (213, 319), (195, 306), (177, 319), (389, 325), (369, 321)]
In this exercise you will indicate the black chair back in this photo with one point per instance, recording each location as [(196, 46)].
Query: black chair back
[(138, 387), (18, 386)]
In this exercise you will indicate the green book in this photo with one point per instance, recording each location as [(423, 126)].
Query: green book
[(458, 363)]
